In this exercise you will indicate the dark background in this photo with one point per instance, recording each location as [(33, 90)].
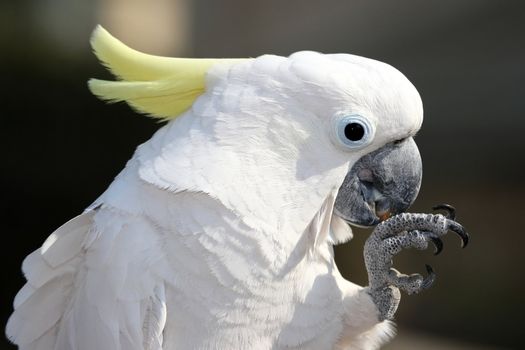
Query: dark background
[(62, 147)]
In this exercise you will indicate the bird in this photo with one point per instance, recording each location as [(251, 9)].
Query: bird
[(219, 231)]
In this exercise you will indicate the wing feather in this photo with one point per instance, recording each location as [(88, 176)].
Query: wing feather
[(23, 294), (155, 320), (38, 314), (104, 295), (49, 271), (66, 242)]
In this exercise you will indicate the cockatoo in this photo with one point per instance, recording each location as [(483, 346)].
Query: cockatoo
[(219, 232)]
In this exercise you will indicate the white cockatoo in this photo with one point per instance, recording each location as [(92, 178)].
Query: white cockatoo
[(218, 233)]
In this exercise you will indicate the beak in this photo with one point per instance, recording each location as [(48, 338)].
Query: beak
[(380, 184)]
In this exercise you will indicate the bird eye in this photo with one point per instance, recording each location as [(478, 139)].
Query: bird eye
[(353, 131)]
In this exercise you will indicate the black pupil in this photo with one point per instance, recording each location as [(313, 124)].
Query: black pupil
[(354, 131)]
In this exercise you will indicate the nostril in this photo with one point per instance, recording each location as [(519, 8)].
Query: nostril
[(365, 175)]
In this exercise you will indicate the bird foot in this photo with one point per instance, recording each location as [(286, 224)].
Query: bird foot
[(407, 230)]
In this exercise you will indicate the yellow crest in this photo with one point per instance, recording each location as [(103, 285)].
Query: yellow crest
[(162, 87)]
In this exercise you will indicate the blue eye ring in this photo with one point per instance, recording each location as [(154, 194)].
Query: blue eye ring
[(353, 131)]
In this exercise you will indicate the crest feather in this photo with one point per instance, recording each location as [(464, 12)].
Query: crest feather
[(162, 87)]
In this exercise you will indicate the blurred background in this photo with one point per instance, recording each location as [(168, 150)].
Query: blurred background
[(62, 147)]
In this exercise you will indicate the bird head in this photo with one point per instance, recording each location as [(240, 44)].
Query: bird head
[(275, 139)]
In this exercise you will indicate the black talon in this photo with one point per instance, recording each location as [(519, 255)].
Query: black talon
[(451, 211), (438, 243), (429, 279), (460, 231)]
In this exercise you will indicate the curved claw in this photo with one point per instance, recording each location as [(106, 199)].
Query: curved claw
[(429, 279), (438, 243), (451, 211), (460, 231)]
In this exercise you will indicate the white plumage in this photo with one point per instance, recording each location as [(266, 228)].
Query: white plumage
[(218, 233)]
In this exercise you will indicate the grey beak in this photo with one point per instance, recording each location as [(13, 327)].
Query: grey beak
[(380, 184)]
